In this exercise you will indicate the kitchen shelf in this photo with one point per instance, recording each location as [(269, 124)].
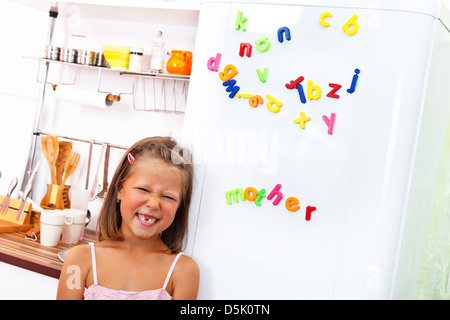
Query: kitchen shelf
[(166, 76), (122, 72), (31, 255), (154, 92)]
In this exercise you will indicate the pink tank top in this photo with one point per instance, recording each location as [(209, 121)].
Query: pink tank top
[(97, 292)]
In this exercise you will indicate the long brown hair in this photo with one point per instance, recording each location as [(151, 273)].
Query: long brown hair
[(167, 150)]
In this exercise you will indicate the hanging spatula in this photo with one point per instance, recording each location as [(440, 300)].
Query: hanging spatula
[(50, 148)]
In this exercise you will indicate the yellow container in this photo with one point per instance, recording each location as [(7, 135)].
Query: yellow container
[(118, 57)]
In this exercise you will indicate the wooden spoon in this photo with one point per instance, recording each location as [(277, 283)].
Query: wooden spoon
[(65, 148), (71, 165), (50, 148)]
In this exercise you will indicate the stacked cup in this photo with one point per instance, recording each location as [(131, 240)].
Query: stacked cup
[(68, 222)]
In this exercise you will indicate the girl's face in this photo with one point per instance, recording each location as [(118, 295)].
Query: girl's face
[(150, 198)]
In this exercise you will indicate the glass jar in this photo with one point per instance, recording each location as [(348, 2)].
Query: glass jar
[(158, 53)]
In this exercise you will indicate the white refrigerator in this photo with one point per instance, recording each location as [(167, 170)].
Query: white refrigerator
[(319, 131)]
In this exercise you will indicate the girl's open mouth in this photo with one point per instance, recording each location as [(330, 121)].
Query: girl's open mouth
[(146, 220)]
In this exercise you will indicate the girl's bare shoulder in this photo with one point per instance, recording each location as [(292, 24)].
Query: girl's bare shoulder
[(187, 265), (80, 255)]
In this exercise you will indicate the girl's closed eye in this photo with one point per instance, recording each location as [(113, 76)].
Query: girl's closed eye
[(169, 197)]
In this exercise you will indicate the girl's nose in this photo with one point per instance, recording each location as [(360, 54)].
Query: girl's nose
[(153, 200)]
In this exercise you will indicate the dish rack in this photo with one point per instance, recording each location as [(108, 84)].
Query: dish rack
[(159, 92)]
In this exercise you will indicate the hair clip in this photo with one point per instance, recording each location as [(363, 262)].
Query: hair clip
[(130, 158)]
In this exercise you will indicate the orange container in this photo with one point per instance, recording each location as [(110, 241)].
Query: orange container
[(180, 62)]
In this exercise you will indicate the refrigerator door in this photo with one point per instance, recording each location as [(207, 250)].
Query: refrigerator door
[(302, 196)]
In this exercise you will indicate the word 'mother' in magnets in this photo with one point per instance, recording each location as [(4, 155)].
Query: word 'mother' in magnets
[(292, 204)]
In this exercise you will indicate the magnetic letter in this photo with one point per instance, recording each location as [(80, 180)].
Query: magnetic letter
[(292, 204), (322, 19), (354, 81), (351, 23), (228, 72), (314, 91), (240, 20), (242, 48), (302, 120), (332, 93), (252, 191), (261, 194), (273, 101), (255, 101), (293, 84), (286, 32), (214, 62), (262, 76), (231, 87), (330, 122), (301, 93), (234, 193), (309, 209), (275, 191), (244, 95), (263, 44)]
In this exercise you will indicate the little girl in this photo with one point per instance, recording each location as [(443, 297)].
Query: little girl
[(141, 229)]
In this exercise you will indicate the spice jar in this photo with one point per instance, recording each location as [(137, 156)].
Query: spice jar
[(158, 53), (135, 59)]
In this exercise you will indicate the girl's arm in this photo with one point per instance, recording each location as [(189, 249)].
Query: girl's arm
[(185, 279), (74, 273)]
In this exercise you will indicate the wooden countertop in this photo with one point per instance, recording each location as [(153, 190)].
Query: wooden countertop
[(31, 255)]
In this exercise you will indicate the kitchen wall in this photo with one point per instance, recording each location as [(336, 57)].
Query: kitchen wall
[(24, 32)]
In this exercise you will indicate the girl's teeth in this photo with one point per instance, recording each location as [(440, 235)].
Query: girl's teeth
[(146, 220)]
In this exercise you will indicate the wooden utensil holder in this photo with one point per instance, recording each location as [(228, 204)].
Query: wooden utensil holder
[(9, 222), (57, 197)]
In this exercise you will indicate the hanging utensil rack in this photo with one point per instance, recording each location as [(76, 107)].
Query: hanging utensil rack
[(91, 142)]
